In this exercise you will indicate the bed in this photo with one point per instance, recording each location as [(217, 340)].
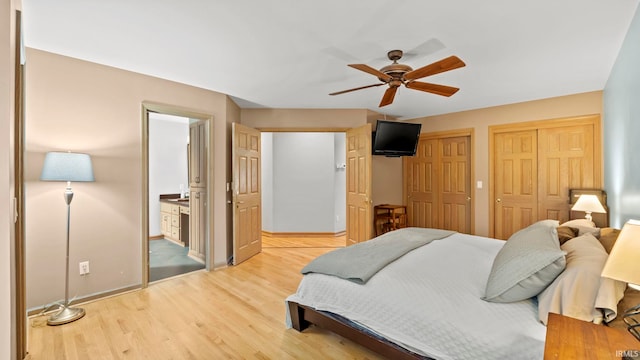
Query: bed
[(430, 303)]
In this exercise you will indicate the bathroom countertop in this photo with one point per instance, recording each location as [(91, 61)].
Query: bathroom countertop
[(174, 199)]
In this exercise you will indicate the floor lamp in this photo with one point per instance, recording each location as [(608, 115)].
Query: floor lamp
[(67, 166)]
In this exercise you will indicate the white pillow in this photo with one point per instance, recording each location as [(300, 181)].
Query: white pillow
[(580, 292), (579, 222), (527, 263)]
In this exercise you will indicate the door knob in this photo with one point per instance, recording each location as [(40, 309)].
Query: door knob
[(468, 198), (498, 200)]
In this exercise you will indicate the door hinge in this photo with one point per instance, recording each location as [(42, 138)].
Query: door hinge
[(15, 210)]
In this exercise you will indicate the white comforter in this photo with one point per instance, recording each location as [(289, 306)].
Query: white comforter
[(429, 301)]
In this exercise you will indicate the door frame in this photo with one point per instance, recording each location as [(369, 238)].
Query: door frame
[(302, 130), (591, 119), (144, 236), (19, 309)]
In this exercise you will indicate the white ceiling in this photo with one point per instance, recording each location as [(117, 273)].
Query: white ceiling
[(293, 53)]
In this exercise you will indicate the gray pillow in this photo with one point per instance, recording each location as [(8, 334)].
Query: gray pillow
[(527, 263)]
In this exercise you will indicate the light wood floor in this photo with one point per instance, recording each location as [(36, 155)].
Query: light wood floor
[(233, 313), (303, 242)]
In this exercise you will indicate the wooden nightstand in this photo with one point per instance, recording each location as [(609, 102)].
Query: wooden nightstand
[(568, 338)]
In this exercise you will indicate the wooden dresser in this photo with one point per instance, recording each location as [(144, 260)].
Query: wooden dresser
[(568, 338)]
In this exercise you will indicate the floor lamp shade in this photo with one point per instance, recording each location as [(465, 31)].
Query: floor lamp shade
[(67, 166)]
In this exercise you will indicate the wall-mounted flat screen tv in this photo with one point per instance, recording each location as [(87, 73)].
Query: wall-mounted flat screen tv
[(393, 138)]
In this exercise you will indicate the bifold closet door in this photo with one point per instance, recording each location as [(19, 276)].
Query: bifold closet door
[(565, 161), (421, 185), (516, 181), (438, 184), (534, 170), (455, 184)]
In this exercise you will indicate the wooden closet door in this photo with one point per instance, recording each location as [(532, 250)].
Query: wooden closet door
[(455, 184), (565, 161), (515, 181), (421, 185)]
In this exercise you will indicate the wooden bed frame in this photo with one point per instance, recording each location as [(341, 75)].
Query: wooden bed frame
[(303, 316)]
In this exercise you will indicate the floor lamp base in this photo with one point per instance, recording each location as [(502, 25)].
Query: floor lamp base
[(66, 315)]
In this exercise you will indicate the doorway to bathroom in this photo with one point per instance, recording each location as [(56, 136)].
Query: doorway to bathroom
[(176, 216)]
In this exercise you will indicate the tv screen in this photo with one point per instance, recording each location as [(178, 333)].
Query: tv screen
[(395, 138)]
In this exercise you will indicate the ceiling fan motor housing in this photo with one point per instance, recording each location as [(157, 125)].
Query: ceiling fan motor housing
[(395, 70)]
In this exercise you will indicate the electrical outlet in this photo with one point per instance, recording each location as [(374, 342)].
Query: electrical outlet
[(84, 267)]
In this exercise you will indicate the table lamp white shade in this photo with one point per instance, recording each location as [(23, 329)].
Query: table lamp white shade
[(67, 166), (624, 261), (588, 204)]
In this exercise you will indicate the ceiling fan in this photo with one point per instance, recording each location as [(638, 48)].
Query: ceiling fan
[(399, 74)]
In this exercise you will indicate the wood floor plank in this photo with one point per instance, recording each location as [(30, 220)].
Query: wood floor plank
[(234, 313), (306, 242)]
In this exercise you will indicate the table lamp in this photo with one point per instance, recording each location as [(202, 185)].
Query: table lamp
[(67, 166), (588, 204), (622, 264)]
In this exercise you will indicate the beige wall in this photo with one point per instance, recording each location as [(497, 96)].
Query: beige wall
[(85, 107), (7, 265), (481, 119)]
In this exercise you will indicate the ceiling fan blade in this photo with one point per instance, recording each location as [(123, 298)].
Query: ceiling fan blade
[(388, 96), (432, 88), (354, 89), (450, 63), (368, 69), (425, 49)]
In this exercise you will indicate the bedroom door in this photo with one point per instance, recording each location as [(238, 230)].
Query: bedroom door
[(359, 202), (247, 202)]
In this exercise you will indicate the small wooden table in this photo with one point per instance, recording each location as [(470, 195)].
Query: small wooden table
[(569, 338), (389, 217)]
